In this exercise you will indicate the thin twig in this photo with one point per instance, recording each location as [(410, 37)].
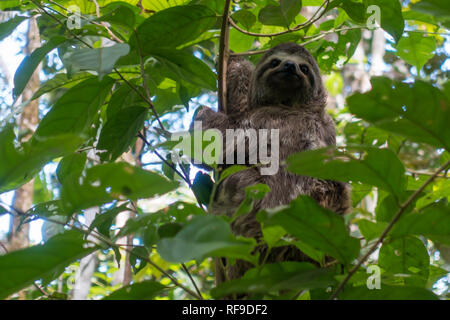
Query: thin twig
[(224, 54), (388, 228), (192, 280), (296, 28)]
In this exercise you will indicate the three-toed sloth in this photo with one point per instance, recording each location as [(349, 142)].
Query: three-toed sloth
[(284, 92)]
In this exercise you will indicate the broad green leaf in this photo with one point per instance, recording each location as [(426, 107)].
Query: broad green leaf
[(316, 226), (20, 268), (101, 60), (271, 15), (440, 189), (6, 4), (19, 165), (436, 8), (332, 53), (104, 220), (406, 256), (371, 230), (145, 290), (399, 108), (30, 63), (290, 9), (46, 209), (377, 167), (7, 27), (155, 5), (173, 27), (432, 222), (75, 111), (252, 193), (386, 293), (112, 181), (123, 98), (205, 236), (122, 15), (275, 277), (389, 205), (416, 49), (119, 131), (202, 187), (135, 258), (357, 11), (244, 17), (61, 80), (71, 164), (185, 66), (391, 17)]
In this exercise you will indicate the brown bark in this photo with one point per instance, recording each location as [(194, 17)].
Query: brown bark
[(28, 120)]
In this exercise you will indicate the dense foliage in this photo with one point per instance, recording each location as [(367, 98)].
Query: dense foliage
[(130, 73)]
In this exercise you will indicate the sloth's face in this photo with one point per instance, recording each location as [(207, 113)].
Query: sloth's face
[(287, 75), (284, 72)]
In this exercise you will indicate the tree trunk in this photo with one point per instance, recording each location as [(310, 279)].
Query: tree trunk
[(23, 199)]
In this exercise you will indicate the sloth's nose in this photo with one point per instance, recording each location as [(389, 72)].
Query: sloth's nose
[(289, 67)]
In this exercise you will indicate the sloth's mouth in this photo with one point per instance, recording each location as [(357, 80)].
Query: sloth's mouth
[(288, 74)]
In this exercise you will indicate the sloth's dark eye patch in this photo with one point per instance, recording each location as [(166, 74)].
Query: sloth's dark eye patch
[(275, 62), (304, 69)]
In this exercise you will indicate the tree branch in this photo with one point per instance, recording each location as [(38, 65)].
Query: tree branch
[(296, 28), (224, 54), (380, 240)]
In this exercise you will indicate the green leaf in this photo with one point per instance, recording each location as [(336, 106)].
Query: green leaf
[(436, 8), (30, 63), (135, 257), (377, 167), (104, 221), (244, 17), (7, 27), (252, 193), (398, 107), (391, 17), (71, 164), (101, 60), (205, 236), (202, 187), (112, 181), (173, 27), (406, 256), (290, 9), (432, 222), (387, 293), (46, 209), (123, 98), (20, 268), (19, 165), (316, 226), (275, 277), (271, 15), (416, 49), (61, 80), (75, 111), (145, 290), (355, 10), (121, 15), (371, 230), (6, 4), (119, 131), (185, 66)]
